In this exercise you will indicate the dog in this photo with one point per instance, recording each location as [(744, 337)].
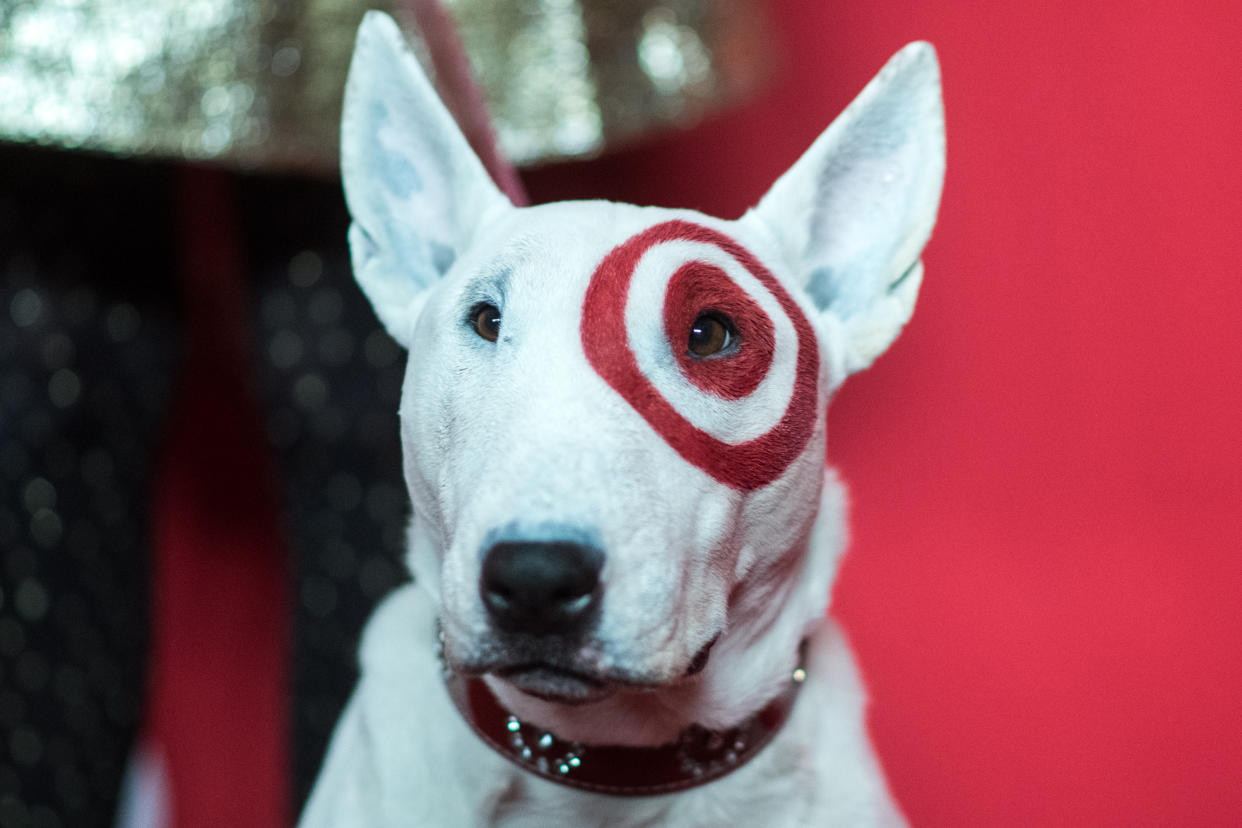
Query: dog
[(613, 422)]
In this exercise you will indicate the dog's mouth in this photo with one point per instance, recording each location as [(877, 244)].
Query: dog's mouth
[(555, 684), (566, 674)]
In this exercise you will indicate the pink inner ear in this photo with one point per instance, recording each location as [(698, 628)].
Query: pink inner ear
[(745, 466), (698, 287)]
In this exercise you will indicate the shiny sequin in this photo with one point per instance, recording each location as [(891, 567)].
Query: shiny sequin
[(87, 345), (259, 84), (329, 382)]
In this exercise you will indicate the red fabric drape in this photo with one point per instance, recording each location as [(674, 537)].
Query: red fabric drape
[(218, 697)]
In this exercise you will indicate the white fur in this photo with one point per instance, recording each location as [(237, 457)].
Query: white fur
[(521, 437)]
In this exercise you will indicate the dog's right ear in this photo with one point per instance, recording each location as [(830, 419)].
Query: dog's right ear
[(856, 209), (415, 189)]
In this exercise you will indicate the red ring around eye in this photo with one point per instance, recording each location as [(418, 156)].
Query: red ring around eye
[(698, 287), (745, 466)]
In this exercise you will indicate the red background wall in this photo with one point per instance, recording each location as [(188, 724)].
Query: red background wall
[(1045, 585)]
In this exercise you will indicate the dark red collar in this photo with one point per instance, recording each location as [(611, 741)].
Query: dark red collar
[(696, 757)]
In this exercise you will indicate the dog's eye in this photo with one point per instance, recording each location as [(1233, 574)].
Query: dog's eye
[(710, 334), (485, 319)]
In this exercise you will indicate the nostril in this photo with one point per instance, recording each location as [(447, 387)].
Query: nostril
[(540, 587), (496, 599), (575, 604)]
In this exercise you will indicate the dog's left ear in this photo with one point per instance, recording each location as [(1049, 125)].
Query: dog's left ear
[(857, 208), (416, 191)]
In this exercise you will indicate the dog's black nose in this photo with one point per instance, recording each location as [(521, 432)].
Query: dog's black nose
[(541, 587)]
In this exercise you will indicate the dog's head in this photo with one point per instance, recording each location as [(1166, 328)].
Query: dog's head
[(613, 417)]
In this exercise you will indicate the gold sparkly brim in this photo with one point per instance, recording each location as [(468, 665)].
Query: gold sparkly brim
[(258, 84)]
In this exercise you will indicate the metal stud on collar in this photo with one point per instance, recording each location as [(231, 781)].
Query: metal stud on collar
[(545, 752)]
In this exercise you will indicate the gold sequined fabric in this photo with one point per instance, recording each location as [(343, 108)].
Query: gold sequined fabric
[(258, 84)]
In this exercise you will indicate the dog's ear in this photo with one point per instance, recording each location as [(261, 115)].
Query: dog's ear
[(415, 189), (857, 208)]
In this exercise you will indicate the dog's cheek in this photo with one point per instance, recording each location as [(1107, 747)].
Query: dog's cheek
[(776, 519), (668, 584), (720, 538), (419, 460), (439, 400), (423, 556), (461, 611)]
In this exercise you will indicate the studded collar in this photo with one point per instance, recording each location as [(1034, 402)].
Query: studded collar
[(696, 757)]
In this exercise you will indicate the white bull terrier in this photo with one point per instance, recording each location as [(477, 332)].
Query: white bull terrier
[(613, 420)]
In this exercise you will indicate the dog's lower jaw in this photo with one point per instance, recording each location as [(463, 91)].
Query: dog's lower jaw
[(554, 684), (642, 716), (557, 686)]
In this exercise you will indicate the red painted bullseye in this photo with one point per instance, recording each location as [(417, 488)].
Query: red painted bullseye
[(744, 466), (698, 287)]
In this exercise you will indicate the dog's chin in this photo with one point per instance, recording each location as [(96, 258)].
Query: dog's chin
[(553, 684)]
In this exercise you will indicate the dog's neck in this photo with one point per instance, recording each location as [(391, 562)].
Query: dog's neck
[(749, 665)]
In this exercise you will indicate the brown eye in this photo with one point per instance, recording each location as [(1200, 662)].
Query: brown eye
[(710, 334), (485, 319)]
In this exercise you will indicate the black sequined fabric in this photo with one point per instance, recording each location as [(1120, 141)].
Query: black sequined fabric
[(330, 381), (88, 345)]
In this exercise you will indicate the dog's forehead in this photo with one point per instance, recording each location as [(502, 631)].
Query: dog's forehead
[(547, 253), (563, 242)]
